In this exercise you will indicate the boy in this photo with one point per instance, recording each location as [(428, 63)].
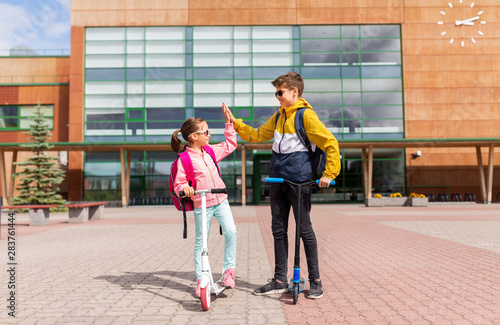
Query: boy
[(290, 160)]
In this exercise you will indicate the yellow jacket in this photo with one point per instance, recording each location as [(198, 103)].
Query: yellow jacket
[(290, 158)]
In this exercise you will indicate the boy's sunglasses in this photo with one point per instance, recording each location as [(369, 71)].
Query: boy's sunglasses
[(207, 133), (280, 93)]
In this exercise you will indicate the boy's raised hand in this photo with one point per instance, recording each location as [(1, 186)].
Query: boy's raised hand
[(228, 115)]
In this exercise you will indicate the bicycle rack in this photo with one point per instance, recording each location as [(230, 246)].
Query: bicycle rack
[(443, 197), (470, 197)]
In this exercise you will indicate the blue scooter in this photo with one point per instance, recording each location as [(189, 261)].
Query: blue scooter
[(297, 284)]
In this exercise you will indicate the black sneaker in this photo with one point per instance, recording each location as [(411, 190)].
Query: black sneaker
[(315, 290), (271, 288)]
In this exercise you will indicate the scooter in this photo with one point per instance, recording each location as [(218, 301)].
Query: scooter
[(297, 284), (207, 284)]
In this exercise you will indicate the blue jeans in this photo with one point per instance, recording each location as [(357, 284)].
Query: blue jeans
[(224, 216)]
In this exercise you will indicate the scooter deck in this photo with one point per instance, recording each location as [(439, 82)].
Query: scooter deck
[(218, 288)]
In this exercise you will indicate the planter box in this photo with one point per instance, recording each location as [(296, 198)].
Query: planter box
[(395, 201), (374, 202), (419, 201)]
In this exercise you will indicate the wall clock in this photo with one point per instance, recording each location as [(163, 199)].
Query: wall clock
[(461, 22)]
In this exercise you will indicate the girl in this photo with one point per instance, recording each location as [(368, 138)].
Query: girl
[(196, 132)]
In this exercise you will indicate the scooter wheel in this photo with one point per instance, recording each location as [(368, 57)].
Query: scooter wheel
[(205, 298), (295, 292)]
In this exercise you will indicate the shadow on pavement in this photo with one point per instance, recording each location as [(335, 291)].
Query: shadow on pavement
[(151, 281)]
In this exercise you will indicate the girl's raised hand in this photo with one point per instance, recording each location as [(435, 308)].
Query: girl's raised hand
[(228, 116)]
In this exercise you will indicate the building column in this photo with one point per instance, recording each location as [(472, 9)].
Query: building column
[(125, 176), (490, 174), (482, 181), (12, 184), (365, 172), (127, 179), (367, 163), (5, 190), (370, 170)]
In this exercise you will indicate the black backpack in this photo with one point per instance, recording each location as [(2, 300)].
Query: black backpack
[(318, 156)]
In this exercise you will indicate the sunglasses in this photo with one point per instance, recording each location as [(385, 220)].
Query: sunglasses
[(280, 93), (207, 133)]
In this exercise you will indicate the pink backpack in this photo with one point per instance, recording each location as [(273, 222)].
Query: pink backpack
[(186, 204)]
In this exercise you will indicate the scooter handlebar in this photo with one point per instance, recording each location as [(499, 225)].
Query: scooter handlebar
[(282, 180), (331, 183), (219, 190), (213, 190), (274, 180)]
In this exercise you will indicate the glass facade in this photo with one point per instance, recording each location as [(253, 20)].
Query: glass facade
[(141, 83)]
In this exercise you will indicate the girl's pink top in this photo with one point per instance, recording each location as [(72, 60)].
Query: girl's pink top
[(205, 171)]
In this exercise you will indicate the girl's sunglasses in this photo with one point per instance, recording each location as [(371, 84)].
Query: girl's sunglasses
[(207, 133)]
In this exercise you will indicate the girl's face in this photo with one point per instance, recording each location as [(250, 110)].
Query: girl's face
[(202, 136)]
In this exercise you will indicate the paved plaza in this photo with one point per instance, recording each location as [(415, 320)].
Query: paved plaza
[(390, 265)]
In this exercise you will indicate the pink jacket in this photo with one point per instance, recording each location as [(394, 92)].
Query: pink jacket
[(205, 171)]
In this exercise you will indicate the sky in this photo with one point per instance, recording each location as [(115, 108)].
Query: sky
[(37, 24)]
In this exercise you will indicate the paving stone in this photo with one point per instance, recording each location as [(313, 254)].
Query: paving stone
[(435, 265)]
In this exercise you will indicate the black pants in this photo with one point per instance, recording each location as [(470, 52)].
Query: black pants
[(283, 197)]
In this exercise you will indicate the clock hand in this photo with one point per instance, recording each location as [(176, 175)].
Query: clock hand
[(471, 19), (468, 22)]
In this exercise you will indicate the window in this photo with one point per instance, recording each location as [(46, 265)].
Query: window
[(19, 117)]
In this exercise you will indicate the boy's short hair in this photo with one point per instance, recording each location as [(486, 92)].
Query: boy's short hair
[(291, 80)]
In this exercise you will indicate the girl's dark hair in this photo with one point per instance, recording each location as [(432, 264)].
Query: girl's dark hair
[(189, 126)]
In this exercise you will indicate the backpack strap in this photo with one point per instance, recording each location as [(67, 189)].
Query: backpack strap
[(299, 127), (188, 168), (276, 120), (301, 133), (211, 152)]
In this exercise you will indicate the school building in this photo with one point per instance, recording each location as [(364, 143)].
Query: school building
[(410, 88)]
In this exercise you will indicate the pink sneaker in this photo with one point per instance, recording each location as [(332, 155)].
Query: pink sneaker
[(228, 276), (197, 291)]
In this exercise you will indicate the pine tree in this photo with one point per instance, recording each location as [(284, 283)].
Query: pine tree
[(41, 174)]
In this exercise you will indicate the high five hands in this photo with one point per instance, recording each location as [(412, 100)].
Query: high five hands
[(228, 116)]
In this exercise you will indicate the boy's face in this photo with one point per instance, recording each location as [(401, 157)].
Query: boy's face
[(287, 97)]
